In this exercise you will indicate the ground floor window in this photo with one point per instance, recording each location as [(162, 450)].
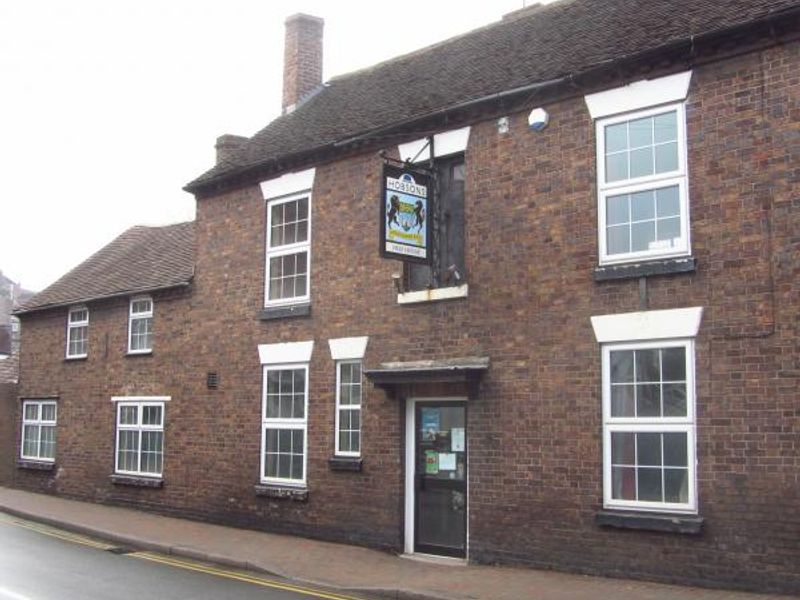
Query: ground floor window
[(38, 430), (283, 425), (649, 425), (140, 437), (348, 408)]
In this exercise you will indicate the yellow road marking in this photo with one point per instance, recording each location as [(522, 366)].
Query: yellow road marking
[(181, 564), (56, 533)]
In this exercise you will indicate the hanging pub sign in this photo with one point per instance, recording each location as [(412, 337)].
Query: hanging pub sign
[(405, 209)]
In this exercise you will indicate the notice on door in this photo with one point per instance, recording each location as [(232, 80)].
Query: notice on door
[(447, 461), (431, 462), (457, 438)]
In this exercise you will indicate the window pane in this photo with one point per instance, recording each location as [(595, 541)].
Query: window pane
[(643, 206), (276, 235), (675, 453), (271, 465), (648, 449), (344, 441), (616, 137), (271, 436), (284, 466), (676, 485), (302, 231), (622, 401), (47, 447), (302, 209), (284, 441), (273, 379), (299, 377), (355, 441), (297, 466), (617, 210), (647, 365), (621, 366), (641, 162), (648, 400), (617, 166), (674, 399), (649, 484), (297, 441), (48, 412), (152, 451), (667, 157), (668, 201), (151, 415), (641, 236), (277, 215), (290, 211), (674, 364), (623, 450), (618, 239), (128, 450), (128, 415), (273, 402), (30, 440), (668, 229), (623, 483), (641, 132), (665, 127), (299, 409), (32, 412)]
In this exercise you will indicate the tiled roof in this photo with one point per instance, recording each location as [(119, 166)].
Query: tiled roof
[(141, 259), (537, 44)]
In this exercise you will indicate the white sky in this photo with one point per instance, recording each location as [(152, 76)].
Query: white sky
[(109, 107)]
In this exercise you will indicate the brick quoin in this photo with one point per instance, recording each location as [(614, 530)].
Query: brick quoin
[(535, 427)]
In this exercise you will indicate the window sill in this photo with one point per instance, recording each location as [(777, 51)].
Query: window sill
[(433, 295), (137, 481), (35, 465), (268, 313), (648, 268), (76, 358), (346, 463), (139, 353), (282, 492), (667, 522)]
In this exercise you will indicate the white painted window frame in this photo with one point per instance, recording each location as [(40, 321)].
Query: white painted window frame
[(651, 424), (38, 422), (141, 402), (283, 423), (137, 317), (340, 407), (677, 177), (74, 325), (287, 249)]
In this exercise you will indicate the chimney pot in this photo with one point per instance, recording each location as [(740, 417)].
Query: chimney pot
[(302, 59)]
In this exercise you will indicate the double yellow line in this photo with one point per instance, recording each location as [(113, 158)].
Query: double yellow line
[(175, 562)]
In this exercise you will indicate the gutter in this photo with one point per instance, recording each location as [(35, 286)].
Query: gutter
[(27, 311), (690, 43)]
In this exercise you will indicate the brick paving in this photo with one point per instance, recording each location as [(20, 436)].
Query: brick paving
[(352, 568)]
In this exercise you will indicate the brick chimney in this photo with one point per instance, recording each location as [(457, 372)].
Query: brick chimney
[(302, 59), (227, 147)]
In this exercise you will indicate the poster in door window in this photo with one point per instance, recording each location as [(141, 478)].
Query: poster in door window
[(431, 421)]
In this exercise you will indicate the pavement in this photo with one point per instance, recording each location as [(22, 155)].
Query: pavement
[(348, 569)]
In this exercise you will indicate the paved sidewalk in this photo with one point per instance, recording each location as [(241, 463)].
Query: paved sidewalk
[(347, 568)]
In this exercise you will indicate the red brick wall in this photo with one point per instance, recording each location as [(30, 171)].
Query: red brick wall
[(535, 427), (8, 443)]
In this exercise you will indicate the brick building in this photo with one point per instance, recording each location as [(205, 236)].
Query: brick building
[(595, 368), (12, 294)]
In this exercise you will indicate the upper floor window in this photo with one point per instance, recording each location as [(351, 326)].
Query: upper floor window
[(78, 332), (642, 189), (38, 430), (140, 325), (447, 269), (288, 249)]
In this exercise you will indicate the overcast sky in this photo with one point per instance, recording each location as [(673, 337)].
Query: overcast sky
[(109, 107)]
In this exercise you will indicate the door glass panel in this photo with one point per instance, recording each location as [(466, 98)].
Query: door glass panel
[(441, 479)]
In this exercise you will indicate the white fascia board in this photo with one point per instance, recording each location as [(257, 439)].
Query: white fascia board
[(638, 95), (648, 325), (445, 143), (288, 184), (349, 348), (289, 352)]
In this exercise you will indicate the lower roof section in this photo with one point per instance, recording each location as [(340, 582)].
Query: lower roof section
[(392, 376)]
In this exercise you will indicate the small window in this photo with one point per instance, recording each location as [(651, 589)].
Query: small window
[(140, 438), (140, 325), (449, 219), (348, 408), (283, 425), (288, 250), (642, 189), (78, 332), (649, 426), (38, 430)]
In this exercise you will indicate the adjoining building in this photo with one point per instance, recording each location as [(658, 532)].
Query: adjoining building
[(527, 296)]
